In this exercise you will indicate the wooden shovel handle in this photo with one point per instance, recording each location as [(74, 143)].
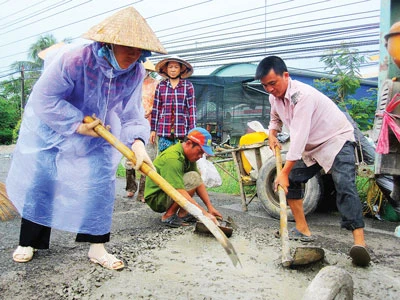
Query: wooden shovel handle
[(286, 257), (168, 189)]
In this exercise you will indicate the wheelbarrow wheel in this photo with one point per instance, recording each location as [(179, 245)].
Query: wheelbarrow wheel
[(270, 200)]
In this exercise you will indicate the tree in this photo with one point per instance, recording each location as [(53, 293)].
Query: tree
[(344, 64), (11, 105), (9, 109), (35, 63)]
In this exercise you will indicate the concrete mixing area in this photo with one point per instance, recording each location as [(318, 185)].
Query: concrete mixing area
[(165, 263)]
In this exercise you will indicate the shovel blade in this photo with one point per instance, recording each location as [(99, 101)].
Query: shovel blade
[(307, 255), (225, 226)]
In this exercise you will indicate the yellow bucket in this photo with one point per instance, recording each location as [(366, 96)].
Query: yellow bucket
[(249, 139)]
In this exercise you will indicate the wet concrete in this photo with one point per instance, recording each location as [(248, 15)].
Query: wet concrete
[(163, 263)]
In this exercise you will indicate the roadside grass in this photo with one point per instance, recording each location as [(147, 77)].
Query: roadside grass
[(121, 171), (231, 186)]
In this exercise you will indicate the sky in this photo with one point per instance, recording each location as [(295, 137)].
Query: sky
[(207, 33)]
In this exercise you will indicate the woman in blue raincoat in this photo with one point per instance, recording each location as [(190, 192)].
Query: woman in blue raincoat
[(62, 174)]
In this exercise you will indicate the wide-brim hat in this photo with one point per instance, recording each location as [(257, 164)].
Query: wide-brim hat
[(148, 65), (127, 28), (186, 71)]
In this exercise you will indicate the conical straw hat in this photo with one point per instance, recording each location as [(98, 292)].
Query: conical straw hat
[(42, 54), (148, 65), (127, 28), (186, 71)]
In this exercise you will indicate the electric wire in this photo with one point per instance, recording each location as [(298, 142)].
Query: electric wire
[(85, 19), (278, 18), (305, 38), (31, 15), (271, 28), (38, 20), (212, 52), (26, 8), (175, 10), (4, 2), (219, 17)]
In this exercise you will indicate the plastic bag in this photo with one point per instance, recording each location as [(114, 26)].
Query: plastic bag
[(126, 163), (209, 173)]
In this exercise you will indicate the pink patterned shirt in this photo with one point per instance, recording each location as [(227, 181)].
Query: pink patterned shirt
[(148, 90), (318, 128)]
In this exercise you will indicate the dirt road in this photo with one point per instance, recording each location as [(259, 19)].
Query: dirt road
[(167, 263)]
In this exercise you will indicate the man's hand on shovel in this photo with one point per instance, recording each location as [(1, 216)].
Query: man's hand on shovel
[(302, 255), (281, 180)]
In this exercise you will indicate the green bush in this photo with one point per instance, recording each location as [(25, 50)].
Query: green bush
[(15, 132), (6, 135)]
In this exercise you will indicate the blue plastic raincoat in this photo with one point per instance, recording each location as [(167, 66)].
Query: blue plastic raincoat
[(62, 179)]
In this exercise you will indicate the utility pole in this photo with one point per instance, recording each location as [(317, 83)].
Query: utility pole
[(22, 90)]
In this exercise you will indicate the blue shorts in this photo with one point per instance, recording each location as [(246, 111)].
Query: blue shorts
[(161, 202)]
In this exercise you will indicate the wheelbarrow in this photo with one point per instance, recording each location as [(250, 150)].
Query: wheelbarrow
[(254, 165)]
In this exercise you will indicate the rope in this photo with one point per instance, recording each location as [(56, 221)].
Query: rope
[(374, 197)]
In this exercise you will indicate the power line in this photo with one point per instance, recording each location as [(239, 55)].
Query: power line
[(278, 18), (219, 17), (85, 19), (38, 20), (26, 8), (9, 74), (90, 18), (272, 29), (4, 2), (31, 14), (286, 40), (215, 47), (175, 10)]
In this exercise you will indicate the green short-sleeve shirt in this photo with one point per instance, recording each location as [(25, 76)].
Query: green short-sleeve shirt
[(171, 164)]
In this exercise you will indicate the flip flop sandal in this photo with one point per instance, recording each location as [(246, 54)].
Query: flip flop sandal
[(360, 256), (174, 222), (294, 234), (189, 218), (23, 254), (108, 261)]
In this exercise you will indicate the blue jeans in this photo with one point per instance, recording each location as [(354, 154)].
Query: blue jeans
[(164, 143), (344, 177)]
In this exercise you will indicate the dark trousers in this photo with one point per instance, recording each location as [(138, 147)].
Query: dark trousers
[(131, 185), (38, 236), (344, 177)]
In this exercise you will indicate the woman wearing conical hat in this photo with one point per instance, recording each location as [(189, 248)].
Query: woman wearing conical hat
[(174, 108), (63, 175)]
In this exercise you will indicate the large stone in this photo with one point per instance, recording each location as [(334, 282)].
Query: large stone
[(330, 283)]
